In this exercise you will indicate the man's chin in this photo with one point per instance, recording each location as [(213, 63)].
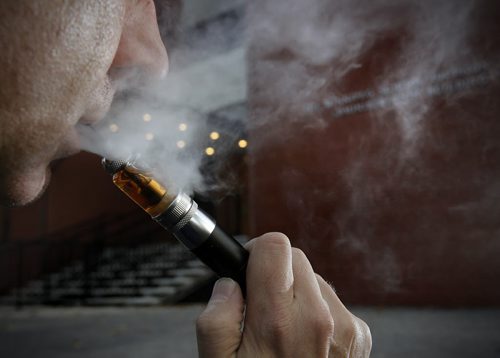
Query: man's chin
[(23, 189)]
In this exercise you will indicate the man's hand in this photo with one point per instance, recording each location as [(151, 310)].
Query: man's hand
[(290, 311)]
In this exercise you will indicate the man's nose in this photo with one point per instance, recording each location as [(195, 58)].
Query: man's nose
[(140, 44)]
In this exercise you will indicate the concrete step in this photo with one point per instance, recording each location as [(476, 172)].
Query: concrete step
[(124, 301), (148, 273), (192, 271), (113, 292), (174, 281), (160, 291), (160, 265)]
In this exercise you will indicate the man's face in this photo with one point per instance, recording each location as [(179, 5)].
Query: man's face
[(55, 72)]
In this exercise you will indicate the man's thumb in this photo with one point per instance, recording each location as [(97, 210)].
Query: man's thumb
[(218, 326)]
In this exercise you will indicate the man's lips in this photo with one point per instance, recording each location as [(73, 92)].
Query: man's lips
[(99, 105)]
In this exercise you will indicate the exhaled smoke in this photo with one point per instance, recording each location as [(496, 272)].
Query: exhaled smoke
[(163, 125), (434, 57), (399, 70), (417, 50), (158, 135)]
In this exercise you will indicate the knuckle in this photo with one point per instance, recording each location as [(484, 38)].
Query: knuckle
[(365, 334), (275, 239), (360, 338), (298, 254), (271, 264), (299, 259)]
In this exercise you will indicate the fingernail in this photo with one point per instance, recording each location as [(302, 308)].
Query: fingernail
[(223, 289)]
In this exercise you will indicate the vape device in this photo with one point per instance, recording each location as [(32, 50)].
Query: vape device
[(179, 214)]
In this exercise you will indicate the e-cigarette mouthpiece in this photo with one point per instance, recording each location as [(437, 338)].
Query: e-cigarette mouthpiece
[(180, 215)]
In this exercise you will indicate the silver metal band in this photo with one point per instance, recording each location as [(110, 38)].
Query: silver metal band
[(176, 211), (189, 224)]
